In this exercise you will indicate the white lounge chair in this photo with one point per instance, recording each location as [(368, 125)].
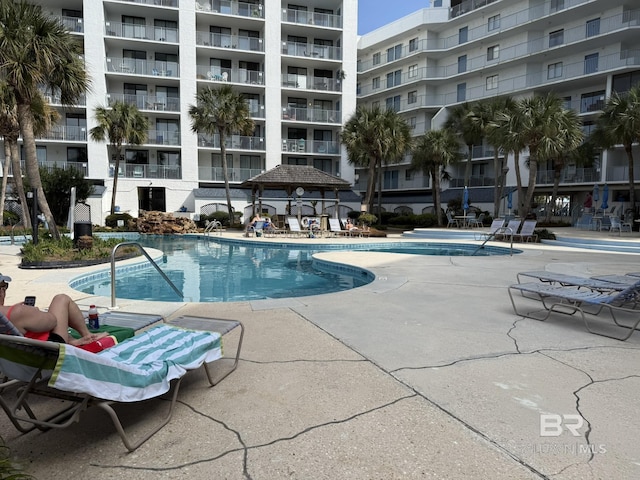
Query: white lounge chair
[(335, 228), (527, 232), (294, 227), (495, 227)]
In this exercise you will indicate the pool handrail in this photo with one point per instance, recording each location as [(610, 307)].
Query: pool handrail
[(154, 264), (492, 235)]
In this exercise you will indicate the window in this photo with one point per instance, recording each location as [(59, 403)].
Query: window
[(461, 92), (76, 154), (592, 102), (593, 27), (137, 156), (390, 179), (376, 58), (554, 70), (557, 5), (493, 52), (133, 27), (375, 104), (493, 23), (413, 44), (566, 103), (590, 63), (463, 35), (394, 78), (588, 128), (413, 71), (412, 97), (492, 82), (623, 83), (393, 103), (165, 30), (462, 63), (394, 53), (412, 123), (556, 38), (375, 83)]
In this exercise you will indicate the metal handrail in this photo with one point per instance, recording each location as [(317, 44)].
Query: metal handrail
[(215, 224), (493, 234), (154, 264)]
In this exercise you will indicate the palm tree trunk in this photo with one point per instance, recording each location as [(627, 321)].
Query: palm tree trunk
[(554, 192), (379, 188), (533, 173), (116, 172), (5, 175), (17, 180), (516, 164), (632, 193), (467, 169), (498, 183), (31, 159), (436, 195), (225, 173), (370, 185)]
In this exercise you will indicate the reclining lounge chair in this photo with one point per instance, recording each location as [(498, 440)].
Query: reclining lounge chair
[(571, 299), (140, 368)]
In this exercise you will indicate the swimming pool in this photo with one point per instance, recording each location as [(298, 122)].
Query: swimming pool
[(207, 270)]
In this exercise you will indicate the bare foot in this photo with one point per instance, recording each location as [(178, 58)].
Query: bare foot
[(92, 337)]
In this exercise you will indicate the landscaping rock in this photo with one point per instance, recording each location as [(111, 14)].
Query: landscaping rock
[(160, 223)]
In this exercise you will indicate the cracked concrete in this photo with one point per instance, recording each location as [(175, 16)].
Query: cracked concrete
[(425, 373)]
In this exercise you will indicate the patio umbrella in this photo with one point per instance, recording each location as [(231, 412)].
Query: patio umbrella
[(510, 201), (465, 200), (605, 197), (596, 193)]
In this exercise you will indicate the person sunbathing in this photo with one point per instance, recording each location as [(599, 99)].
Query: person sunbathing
[(52, 325)]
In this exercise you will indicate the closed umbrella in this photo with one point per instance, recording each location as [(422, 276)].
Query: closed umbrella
[(465, 200), (605, 197), (510, 201), (596, 193)]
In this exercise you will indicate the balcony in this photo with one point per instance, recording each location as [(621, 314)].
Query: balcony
[(141, 32), (131, 66), (155, 3), (316, 115), (311, 83), (233, 142), (221, 40), (304, 17), (468, 6), (125, 170), (66, 134), (146, 102), (51, 165), (163, 137), (477, 181), (215, 174), (235, 75), (73, 24), (227, 7), (569, 175), (310, 50), (316, 146)]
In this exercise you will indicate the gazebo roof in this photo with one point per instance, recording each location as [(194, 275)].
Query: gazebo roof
[(289, 177)]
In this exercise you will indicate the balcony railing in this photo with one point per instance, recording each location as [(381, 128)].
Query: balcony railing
[(233, 142), (311, 50), (235, 75), (311, 18), (481, 181), (131, 66), (127, 170), (49, 165), (163, 137), (569, 175), (64, 133), (221, 40), (56, 100), (315, 146), (291, 80), (73, 24), (467, 6), (227, 7), (141, 32), (146, 102), (161, 3), (311, 115), (215, 174)]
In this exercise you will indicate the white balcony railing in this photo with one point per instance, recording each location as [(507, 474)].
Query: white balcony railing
[(141, 32)]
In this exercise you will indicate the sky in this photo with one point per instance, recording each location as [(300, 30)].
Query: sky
[(373, 14)]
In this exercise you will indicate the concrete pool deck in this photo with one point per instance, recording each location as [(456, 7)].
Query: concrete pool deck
[(424, 373)]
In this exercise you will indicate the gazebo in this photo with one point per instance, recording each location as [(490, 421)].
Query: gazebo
[(295, 179)]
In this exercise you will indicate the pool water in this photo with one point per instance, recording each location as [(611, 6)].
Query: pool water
[(212, 271)]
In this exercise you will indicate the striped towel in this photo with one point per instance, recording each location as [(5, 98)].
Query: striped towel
[(139, 368)]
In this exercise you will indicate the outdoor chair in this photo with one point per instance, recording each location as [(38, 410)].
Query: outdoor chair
[(509, 230), (335, 228), (294, 227), (605, 283), (619, 226), (585, 222), (256, 228), (587, 302), (477, 222), (526, 233), (451, 221), (496, 225)]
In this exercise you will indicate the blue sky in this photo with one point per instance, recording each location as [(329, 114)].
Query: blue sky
[(376, 13)]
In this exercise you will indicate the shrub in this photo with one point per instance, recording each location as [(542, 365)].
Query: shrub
[(368, 218), (112, 220), (49, 249), (10, 218)]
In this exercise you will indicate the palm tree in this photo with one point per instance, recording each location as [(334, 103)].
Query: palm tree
[(618, 124), (121, 124), (433, 151), (37, 51), (460, 121), (225, 112), (372, 136)]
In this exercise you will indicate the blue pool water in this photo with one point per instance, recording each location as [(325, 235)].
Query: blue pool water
[(216, 271)]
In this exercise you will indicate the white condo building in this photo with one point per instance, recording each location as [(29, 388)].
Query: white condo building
[(462, 51), (294, 63)]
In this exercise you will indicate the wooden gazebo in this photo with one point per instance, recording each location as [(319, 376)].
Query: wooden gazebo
[(291, 177)]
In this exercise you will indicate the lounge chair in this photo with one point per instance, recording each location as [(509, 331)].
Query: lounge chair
[(509, 230), (527, 232), (294, 227), (600, 284), (495, 227), (335, 228), (570, 300), (619, 226), (163, 355), (256, 228)]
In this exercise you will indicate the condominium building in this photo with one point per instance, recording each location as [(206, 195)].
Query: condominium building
[(462, 51), (294, 64)]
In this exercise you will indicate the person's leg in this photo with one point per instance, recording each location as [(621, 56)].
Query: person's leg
[(68, 315)]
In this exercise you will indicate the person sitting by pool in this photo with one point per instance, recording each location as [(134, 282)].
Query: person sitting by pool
[(52, 325), (251, 225)]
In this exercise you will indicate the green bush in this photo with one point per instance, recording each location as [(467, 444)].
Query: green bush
[(57, 183), (367, 218), (49, 249), (112, 220), (10, 218)]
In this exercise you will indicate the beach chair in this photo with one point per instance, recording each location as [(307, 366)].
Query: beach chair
[(294, 227), (509, 230), (256, 228), (140, 368), (335, 228), (495, 227), (604, 283), (619, 226), (587, 302), (526, 233)]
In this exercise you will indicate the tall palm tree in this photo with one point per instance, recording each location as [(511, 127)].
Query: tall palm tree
[(372, 136), (37, 51), (432, 152), (618, 124), (460, 121), (120, 124), (541, 125), (224, 112)]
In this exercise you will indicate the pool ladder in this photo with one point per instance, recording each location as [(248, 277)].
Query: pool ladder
[(492, 235), (213, 225), (154, 264)]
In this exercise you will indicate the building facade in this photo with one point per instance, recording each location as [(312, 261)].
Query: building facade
[(295, 65), (463, 51)]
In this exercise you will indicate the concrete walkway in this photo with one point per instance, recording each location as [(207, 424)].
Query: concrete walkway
[(424, 373)]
